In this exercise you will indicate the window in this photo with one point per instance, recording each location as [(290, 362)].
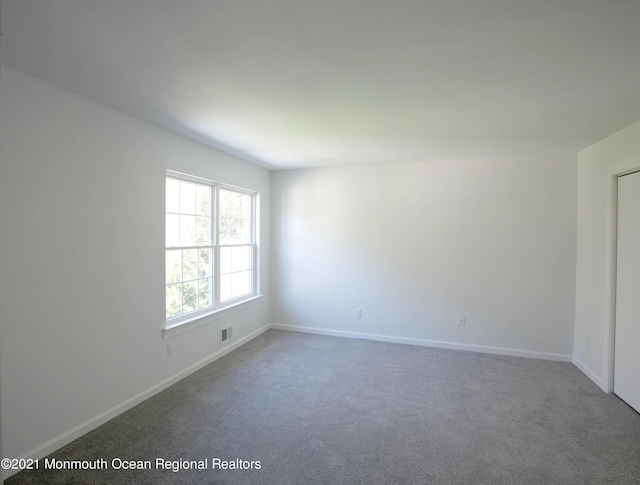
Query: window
[(211, 247)]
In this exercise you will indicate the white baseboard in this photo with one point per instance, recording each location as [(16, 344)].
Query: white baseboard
[(589, 373), (91, 424), (428, 343)]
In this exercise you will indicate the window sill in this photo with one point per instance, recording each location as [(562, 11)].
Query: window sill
[(200, 320)]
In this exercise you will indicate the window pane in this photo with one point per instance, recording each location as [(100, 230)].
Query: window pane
[(174, 300), (236, 204), (225, 260), (203, 200), (225, 287), (204, 293), (236, 284), (203, 231), (244, 235), (205, 262), (223, 203), (236, 258), (173, 266), (245, 206), (187, 198), (189, 264), (240, 283), (234, 225), (247, 257), (240, 261), (173, 195), (247, 282), (238, 231), (234, 229), (189, 296), (172, 238), (223, 231), (187, 230)]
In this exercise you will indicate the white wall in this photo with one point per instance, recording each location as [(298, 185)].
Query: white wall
[(416, 244), (82, 268), (597, 166)]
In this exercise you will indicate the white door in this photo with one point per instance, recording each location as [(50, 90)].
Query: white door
[(626, 379)]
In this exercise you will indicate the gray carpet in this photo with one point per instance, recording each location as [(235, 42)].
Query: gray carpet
[(326, 410)]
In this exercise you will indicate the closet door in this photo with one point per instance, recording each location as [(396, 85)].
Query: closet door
[(626, 382)]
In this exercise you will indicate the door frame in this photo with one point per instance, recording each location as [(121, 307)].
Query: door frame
[(614, 172)]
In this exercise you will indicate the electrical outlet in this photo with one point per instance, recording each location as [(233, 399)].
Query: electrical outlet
[(169, 349), (358, 313), (461, 321)]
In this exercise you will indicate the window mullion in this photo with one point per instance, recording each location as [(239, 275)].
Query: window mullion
[(254, 251), (181, 280), (216, 246)]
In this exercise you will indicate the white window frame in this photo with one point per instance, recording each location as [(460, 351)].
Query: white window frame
[(218, 309)]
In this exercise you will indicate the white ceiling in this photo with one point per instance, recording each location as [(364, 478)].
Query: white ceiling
[(304, 83)]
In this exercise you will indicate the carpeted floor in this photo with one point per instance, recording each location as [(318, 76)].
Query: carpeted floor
[(325, 410)]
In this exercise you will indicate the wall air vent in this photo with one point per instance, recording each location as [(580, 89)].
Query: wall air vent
[(226, 334)]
